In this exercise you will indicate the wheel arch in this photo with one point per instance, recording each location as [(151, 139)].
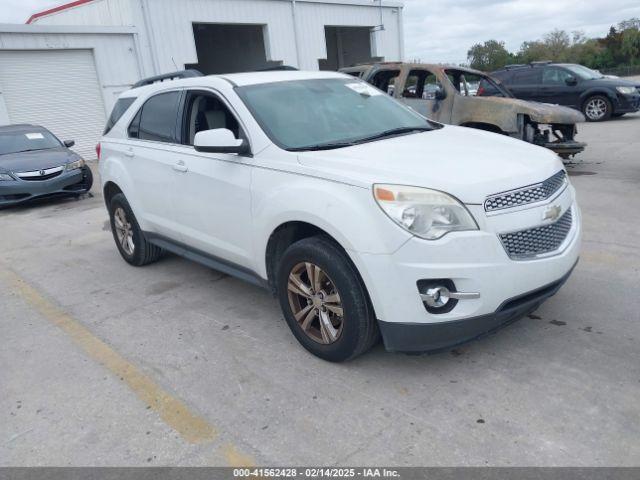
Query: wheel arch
[(109, 190), (285, 235)]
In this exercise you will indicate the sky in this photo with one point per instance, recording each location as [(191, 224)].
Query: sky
[(442, 31)]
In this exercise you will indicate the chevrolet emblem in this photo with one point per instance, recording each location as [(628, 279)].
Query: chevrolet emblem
[(552, 213)]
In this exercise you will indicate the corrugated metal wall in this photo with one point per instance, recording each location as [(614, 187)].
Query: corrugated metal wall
[(168, 38)]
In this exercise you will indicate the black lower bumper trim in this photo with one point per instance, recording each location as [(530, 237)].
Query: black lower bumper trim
[(433, 337)]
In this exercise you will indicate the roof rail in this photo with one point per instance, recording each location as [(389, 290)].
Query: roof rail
[(515, 65), (167, 77), (541, 62), (277, 68)]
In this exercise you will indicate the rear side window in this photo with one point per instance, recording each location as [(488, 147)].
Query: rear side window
[(121, 106), (526, 76), (157, 119)]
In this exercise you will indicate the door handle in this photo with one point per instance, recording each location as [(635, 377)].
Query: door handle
[(180, 167), (129, 153)]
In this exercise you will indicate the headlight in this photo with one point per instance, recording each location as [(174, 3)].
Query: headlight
[(425, 213), (75, 165), (626, 90), (5, 177)]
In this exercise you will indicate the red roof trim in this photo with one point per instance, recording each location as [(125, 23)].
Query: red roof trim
[(60, 8)]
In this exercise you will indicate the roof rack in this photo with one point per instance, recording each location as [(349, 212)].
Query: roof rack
[(515, 65), (278, 68), (167, 77), (541, 62)]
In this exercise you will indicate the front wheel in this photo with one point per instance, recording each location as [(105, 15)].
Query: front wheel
[(597, 108), (324, 300)]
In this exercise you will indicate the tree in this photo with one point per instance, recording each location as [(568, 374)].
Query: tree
[(488, 56)]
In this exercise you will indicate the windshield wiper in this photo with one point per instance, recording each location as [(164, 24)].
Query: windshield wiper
[(322, 146), (393, 132)]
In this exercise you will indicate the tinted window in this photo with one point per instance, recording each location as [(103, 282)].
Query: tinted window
[(526, 76), (121, 106), (158, 118), (555, 76)]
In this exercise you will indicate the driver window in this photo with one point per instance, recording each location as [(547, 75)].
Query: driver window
[(554, 76), (386, 81), (421, 84), (204, 111)]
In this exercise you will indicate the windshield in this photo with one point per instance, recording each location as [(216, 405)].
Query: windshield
[(327, 113), (583, 72), (26, 141)]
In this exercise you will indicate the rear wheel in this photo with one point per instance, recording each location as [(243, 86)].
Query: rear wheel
[(597, 108), (324, 301), (130, 240)]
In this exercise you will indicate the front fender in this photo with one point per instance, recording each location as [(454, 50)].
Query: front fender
[(348, 213)]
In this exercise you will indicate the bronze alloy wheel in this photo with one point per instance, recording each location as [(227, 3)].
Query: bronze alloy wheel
[(124, 231), (315, 303)]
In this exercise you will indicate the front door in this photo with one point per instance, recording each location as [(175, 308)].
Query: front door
[(420, 92), (555, 88), (213, 194)]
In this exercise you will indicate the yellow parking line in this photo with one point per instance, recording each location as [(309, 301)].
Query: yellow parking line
[(192, 427)]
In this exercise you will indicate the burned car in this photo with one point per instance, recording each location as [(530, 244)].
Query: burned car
[(470, 98)]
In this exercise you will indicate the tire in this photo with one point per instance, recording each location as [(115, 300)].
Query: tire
[(597, 108), (136, 251), (87, 179), (349, 335), (618, 115)]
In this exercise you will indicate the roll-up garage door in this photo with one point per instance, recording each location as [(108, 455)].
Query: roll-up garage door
[(57, 89)]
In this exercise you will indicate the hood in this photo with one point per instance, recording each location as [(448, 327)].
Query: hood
[(466, 163), (37, 160), (539, 112), (610, 82)]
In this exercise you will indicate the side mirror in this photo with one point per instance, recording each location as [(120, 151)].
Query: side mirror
[(69, 143), (571, 81), (220, 140), (440, 94)]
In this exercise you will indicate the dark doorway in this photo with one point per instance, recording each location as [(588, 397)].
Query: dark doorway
[(346, 47), (230, 48)]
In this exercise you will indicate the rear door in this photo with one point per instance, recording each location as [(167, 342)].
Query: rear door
[(525, 83), (152, 162)]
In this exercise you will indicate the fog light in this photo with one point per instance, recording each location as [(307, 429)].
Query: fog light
[(437, 297)]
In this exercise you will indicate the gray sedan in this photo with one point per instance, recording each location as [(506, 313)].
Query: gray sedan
[(34, 164)]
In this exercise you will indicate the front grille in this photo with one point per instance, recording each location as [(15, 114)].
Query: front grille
[(539, 240), (523, 196), (41, 178)]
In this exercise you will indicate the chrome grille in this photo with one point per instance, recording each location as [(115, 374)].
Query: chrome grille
[(522, 196), (41, 175), (539, 240)]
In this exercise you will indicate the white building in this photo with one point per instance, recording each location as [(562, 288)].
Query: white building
[(65, 69)]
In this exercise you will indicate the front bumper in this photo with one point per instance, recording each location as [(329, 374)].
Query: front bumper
[(627, 103), (432, 337), (20, 191), (474, 261)]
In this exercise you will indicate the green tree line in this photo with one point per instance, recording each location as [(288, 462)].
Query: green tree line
[(621, 47)]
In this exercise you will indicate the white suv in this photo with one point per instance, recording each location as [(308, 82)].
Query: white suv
[(363, 217)]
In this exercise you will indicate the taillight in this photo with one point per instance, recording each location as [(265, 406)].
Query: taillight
[(98, 150)]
